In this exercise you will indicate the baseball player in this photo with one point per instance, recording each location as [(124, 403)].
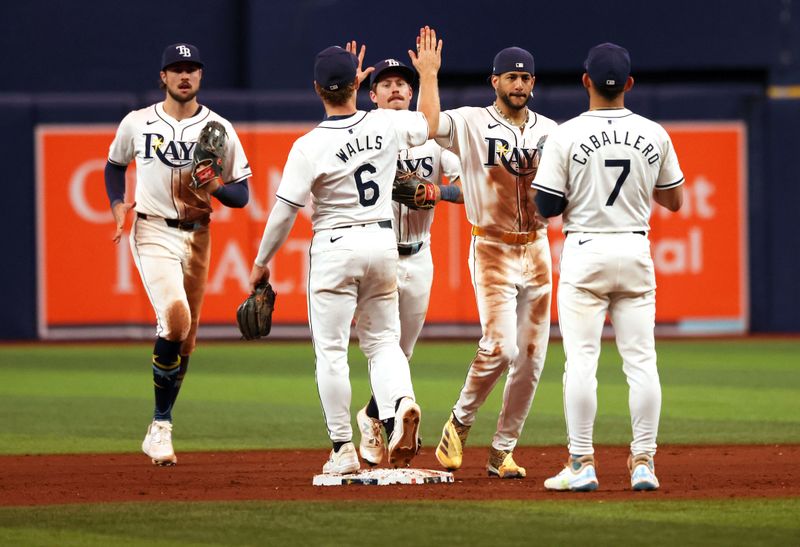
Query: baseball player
[(346, 165), (509, 256), (600, 171), (391, 87), (170, 239)]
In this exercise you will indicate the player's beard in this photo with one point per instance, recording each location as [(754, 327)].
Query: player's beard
[(505, 98), (182, 98)]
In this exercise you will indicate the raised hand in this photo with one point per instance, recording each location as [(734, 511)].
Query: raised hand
[(361, 75), (428, 57)]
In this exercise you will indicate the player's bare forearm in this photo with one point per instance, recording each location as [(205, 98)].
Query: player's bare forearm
[(258, 275), (427, 60), (672, 199), (120, 211)]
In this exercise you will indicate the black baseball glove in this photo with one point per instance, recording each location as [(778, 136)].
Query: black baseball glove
[(412, 191), (208, 153), (254, 315)]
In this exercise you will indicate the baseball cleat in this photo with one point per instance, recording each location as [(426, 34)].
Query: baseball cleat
[(450, 450), (158, 443), (403, 443), (371, 446), (643, 472), (501, 464), (343, 462), (577, 476)]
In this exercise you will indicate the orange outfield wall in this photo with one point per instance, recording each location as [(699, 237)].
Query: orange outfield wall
[(86, 280)]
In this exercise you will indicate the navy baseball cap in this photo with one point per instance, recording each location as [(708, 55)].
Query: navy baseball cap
[(180, 53), (608, 65), (392, 66), (334, 67), (513, 59)]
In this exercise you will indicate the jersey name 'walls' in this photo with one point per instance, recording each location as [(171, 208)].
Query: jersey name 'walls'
[(517, 161), (596, 142), (174, 154), (360, 144)]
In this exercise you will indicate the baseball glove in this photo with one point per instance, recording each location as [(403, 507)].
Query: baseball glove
[(208, 152), (412, 191), (254, 315)]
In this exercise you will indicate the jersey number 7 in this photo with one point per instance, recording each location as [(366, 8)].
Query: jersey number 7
[(626, 169)]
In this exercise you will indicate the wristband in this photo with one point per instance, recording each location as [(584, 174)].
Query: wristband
[(450, 192)]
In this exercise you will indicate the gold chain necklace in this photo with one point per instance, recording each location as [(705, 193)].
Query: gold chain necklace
[(506, 118)]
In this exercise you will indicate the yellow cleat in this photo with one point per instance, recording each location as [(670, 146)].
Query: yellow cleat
[(501, 464), (450, 450)]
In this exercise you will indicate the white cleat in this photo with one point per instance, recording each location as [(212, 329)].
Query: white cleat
[(643, 472), (371, 446), (343, 462), (577, 476), (403, 445), (158, 443)]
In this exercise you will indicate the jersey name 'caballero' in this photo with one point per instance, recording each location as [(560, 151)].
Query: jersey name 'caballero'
[(608, 187)]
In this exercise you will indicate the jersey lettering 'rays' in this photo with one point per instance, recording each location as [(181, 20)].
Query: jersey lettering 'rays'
[(517, 161), (174, 154)]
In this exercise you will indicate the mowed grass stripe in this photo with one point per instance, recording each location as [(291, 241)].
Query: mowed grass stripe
[(98, 398), (577, 521)]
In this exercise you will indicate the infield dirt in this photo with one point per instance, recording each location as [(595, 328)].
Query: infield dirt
[(685, 472)]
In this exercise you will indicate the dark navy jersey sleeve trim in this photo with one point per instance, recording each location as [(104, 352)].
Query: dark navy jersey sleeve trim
[(550, 205), (551, 191), (288, 202), (115, 182), (669, 185), (233, 195)]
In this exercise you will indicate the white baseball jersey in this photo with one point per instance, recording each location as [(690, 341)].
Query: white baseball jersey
[(498, 163), (163, 148), (607, 163), (348, 166), (512, 281), (430, 162)]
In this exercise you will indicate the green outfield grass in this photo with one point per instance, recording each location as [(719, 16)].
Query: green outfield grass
[(98, 398), (752, 522)]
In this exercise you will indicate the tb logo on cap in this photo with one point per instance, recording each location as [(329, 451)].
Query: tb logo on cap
[(392, 62), (520, 65), (184, 51)]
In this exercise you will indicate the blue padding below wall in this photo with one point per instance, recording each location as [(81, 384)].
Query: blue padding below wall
[(17, 213)]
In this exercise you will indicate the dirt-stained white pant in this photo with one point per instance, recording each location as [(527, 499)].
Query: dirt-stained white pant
[(353, 271), (414, 280), (614, 274), (173, 265), (513, 289)]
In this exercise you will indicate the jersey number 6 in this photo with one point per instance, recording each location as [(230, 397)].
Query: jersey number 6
[(626, 169), (365, 185)]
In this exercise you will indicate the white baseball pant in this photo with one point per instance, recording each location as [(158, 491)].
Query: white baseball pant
[(173, 265), (614, 274), (512, 288), (353, 271), (414, 281)]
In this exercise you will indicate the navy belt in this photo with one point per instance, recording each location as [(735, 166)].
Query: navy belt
[(381, 223), (407, 249), (175, 223)]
